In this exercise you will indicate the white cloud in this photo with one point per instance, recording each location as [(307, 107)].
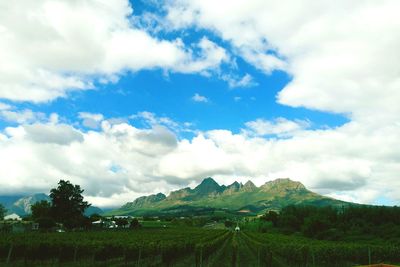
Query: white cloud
[(238, 82), (21, 116), (60, 134), (279, 126), (120, 162), (91, 120), (49, 48), (4, 106), (199, 98), (341, 56), (45, 153), (152, 120)]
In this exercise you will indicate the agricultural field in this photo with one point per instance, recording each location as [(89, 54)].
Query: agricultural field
[(185, 247)]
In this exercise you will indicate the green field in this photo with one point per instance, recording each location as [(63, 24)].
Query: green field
[(185, 247)]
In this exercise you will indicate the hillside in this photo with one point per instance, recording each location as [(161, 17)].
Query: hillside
[(22, 205), (237, 198)]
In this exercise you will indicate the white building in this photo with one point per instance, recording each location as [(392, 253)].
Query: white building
[(13, 216)]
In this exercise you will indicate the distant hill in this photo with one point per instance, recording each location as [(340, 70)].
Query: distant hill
[(9, 200), (21, 205), (237, 198)]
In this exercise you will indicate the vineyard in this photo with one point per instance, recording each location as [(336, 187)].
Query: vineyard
[(184, 247)]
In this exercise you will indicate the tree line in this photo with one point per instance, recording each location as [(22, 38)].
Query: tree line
[(354, 221)]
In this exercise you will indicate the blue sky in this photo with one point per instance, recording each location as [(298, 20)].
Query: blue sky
[(132, 98), (171, 95)]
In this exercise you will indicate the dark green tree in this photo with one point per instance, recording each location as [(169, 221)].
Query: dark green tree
[(228, 224), (45, 223), (121, 222), (41, 209), (135, 224), (315, 226), (271, 216), (68, 206), (41, 213), (3, 211)]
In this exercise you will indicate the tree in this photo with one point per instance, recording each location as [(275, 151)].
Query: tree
[(135, 224), (271, 216), (41, 213), (41, 209), (121, 222), (45, 222), (228, 224), (3, 211), (315, 226), (68, 206)]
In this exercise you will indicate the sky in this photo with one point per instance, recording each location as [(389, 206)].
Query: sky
[(129, 98)]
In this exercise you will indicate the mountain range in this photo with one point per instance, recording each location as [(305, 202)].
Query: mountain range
[(209, 197), (21, 205)]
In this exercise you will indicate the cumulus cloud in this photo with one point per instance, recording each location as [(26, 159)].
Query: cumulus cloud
[(120, 162), (279, 126), (21, 116), (60, 134), (13, 114), (199, 98), (51, 48), (45, 153), (342, 58), (91, 120), (332, 50)]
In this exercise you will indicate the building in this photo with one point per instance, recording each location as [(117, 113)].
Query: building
[(237, 228), (14, 217)]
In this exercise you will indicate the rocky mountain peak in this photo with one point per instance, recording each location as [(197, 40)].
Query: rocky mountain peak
[(232, 188), (249, 184), (283, 183), (207, 186)]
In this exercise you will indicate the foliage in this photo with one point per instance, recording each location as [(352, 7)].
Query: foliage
[(2, 211), (167, 245), (41, 209), (299, 251), (346, 223), (121, 222), (271, 216), (134, 224), (68, 206), (228, 224), (46, 222)]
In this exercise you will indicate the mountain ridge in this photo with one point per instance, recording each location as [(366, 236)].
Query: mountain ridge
[(209, 196)]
